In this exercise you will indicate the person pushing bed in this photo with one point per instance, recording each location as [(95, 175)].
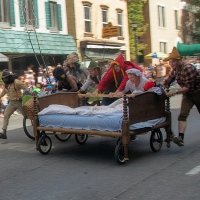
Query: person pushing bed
[(13, 88)]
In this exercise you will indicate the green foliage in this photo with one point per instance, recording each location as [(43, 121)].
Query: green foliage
[(193, 2), (191, 5), (135, 13)]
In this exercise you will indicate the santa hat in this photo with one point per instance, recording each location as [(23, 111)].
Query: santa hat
[(148, 85)]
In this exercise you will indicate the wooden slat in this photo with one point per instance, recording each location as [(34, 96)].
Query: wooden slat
[(78, 131), (99, 95)]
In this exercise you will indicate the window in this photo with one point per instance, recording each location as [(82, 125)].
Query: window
[(54, 15), (161, 16), (119, 19), (104, 17), (87, 19), (4, 13), (176, 19), (29, 12), (163, 47)]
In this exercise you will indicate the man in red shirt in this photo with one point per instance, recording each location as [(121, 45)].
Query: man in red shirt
[(115, 78)]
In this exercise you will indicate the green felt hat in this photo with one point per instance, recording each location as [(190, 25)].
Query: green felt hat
[(93, 64)]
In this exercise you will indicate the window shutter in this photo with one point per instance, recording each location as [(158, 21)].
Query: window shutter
[(35, 4), (21, 10), (48, 15), (12, 13), (59, 17)]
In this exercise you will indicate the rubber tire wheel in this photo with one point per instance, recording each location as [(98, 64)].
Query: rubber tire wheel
[(119, 153), (63, 139), (31, 136), (43, 141), (81, 138), (156, 137)]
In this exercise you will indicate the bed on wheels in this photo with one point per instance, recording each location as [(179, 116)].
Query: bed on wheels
[(144, 107)]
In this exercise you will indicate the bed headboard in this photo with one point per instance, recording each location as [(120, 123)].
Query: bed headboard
[(146, 106), (63, 98)]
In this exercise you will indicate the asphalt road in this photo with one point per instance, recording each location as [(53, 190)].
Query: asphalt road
[(89, 171)]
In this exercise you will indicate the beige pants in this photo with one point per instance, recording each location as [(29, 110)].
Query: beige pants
[(10, 109)]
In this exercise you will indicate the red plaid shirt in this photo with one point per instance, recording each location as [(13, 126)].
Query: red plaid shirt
[(186, 76)]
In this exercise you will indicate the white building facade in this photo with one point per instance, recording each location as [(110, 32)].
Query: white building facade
[(30, 28)]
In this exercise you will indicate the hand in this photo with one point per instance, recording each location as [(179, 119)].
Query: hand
[(120, 94), (87, 94), (111, 94), (132, 95), (95, 94), (170, 94)]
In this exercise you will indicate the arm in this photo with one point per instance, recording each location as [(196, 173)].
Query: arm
[(123, 83), (72, 83), (169, 80), (106, 80), (87, 83), (3, 92)]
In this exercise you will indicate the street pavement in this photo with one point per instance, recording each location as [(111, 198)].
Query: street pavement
[(89, 171)]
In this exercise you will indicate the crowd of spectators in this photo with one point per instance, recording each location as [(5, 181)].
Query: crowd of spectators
[(47, 83)]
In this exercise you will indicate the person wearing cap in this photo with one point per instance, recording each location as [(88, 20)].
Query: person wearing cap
[(188, 79), (115, 78), (95, 75), (66, 81), (13, 88), (136, 82)]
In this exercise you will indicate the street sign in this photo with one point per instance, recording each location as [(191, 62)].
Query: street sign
[(110, 31)]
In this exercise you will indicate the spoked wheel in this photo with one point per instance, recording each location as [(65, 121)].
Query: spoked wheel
[(28, 127), (156, 140), (63, 137), (81, 138), (119, 153), (44, 144)]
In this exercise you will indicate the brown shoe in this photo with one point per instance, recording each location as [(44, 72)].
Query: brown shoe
[(178, 140)]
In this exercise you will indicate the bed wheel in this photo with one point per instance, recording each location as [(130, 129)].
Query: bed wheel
[(63, 137), (28, 127), (119, 153), (81, 138), (44, 144), (156, 140)]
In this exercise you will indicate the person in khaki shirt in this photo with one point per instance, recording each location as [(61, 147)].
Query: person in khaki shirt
[(161, 71), (13, 88)]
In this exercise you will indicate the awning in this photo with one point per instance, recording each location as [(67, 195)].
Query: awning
[(3, 58), (21, 42), (90, 46)]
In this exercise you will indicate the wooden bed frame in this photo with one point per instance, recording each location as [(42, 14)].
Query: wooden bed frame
[(143, 107)]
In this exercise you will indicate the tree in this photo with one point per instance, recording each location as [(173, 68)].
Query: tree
[(193, 6), (135, 13)]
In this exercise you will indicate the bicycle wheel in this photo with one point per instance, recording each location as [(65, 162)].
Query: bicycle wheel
[(63, 137), (81, 138), (156, 140), (28, 127), (44, 144)]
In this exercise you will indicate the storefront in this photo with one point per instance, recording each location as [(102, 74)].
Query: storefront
[(22, 49), (100, 51)]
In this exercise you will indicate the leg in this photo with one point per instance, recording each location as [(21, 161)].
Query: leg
[(186, 106), (8, 112)]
